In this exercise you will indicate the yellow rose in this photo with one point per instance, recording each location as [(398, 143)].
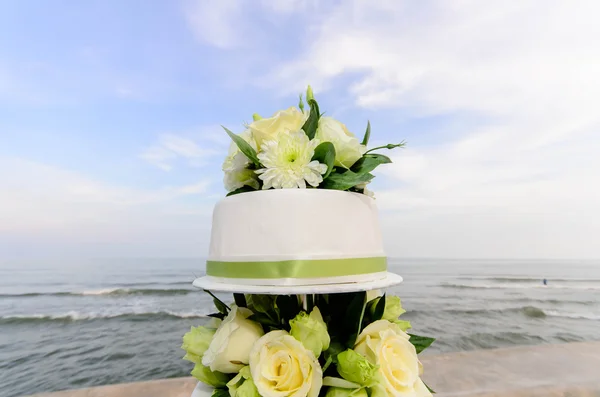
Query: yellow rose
[(282, 367), (347, 148), (384, 344), (285, 120), (229, 349)]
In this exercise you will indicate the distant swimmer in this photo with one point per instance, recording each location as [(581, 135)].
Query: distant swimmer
[(545, 282)]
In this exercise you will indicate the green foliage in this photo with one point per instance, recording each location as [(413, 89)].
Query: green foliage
[(244, 147), (273, 311), (365, 140), (325, 154), (369, 162), (429, 388), (243, 189), (345, 179), (240, 300), (220, 393), (388, 146), (420, 342), (379, 309), (311, 124), (331, 354), (221, 307), (354, 316)]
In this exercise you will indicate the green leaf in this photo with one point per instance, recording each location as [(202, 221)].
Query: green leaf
[(261, 303), (365, 140), (220, 393), (244, 147), (369, 162), (325, 154), (243, 189), (220, 316), (429, 388), (420, 342), (311, 124), (379, 309), (240, 300), (345, 180), (263, 319), (354, 316), (335, 348), (221, 307)]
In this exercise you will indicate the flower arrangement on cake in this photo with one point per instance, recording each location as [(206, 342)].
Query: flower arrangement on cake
[(300, 148), (337, 345), (308, 317)]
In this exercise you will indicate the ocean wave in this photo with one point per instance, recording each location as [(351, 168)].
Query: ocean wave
[(107, 292), (519, 286), (75, 317), (537, 280), (527, 311)]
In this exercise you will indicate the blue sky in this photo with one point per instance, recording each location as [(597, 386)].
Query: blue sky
[(110, 142)]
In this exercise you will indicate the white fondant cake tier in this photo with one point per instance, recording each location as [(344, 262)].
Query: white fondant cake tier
[(295, 237)]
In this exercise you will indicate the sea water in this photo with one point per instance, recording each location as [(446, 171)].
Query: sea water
[(78, 323)]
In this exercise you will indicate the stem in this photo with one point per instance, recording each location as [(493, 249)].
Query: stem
[(390, 146)]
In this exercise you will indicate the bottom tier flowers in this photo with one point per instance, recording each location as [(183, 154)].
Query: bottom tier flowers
[(336, 345)]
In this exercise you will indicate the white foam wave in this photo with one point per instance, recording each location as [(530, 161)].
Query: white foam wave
[(77, 316), (523, 286), (106, 291), (585, 316)]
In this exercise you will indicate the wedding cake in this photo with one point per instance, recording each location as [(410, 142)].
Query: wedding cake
[(297, 241)]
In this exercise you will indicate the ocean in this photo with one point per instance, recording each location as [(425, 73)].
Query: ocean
[(72, 324)]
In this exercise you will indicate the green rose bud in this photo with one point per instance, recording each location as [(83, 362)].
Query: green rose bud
[(242, 384), (256, 117), (247, 389), (205, 375), (355, 368), (309, 93), (404, 325), (393, 308), (196, 342), (311, 331), (340, 392)]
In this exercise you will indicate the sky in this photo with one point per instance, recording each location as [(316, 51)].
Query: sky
[(110, 114)]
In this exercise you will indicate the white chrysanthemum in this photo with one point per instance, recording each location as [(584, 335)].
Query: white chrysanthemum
[(289, 163)]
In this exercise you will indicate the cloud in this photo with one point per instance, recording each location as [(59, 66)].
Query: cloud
[(170, 148), (42, 197), (215, 22), (521, 76)]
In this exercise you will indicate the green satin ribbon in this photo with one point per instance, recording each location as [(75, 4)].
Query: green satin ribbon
[(301, 268)]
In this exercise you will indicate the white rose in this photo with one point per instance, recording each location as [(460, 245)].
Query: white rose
[(235, 159), (230, 347), (347, 148), (236, 164), (282, 367), (386, 345), (238, 178), (268, 129)]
